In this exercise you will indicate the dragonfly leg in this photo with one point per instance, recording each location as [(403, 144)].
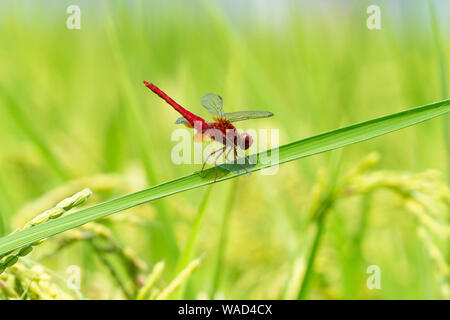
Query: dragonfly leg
[(228, 153), (249, 161), (217, 158), (236, 159), (212, 153)]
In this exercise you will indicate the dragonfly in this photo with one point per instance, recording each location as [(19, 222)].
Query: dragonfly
[(221, 129)]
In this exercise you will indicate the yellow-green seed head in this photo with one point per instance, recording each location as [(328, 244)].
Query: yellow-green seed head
[(10, 261), (81, 197), (65, 204), (55, 212), (43, 217), (24, 251)]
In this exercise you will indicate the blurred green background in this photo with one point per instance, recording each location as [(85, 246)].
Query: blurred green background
[(74, 114)]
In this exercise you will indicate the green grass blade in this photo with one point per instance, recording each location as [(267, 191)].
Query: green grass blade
[(292, 151), (139, 131), (442, 76), (443, 81), (2, 224), (191, 245), (30, 130)]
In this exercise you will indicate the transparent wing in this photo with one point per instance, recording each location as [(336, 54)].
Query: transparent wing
[(181, 120), (244, 115), (213, 103)]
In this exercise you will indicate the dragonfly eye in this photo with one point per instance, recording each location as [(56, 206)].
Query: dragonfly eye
[(246, 141)]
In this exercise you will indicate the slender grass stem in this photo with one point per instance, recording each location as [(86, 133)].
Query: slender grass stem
[(188, 252), (223, 240), (326, 202), (111, 269), (2, 224), (150, 281), (364, 213), (353, 271), (313, 251), (443, 79), (143, 144), (181, 278), (34, 135), (6, 207)]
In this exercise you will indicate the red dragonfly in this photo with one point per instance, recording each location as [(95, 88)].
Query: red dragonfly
[(220, 130)]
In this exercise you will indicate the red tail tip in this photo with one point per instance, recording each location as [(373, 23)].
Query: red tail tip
[(151, 86)]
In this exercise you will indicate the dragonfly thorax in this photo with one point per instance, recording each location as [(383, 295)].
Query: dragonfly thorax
[(224, 132)]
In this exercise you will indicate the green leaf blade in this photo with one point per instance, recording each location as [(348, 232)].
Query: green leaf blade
[(289, 152)]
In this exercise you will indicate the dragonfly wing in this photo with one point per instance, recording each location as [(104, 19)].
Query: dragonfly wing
[(213, 103), (181, 120), (244, 115)]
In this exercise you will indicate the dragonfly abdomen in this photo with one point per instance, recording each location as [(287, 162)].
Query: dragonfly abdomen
[(189, 116)]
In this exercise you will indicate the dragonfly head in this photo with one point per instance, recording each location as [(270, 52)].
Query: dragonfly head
[(245, 141)]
